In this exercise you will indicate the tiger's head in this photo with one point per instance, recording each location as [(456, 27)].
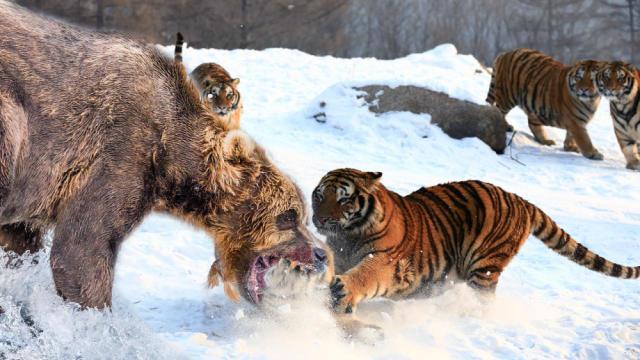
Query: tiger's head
[(617, 81), (222, 96), (219, 90), (345, 202), (581, 79)]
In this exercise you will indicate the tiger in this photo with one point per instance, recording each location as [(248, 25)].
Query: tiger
[(550, 93), (618, 82), (217, 87), (394, 246)]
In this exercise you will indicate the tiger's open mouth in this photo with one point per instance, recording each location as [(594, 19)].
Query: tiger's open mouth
[(272, 270)]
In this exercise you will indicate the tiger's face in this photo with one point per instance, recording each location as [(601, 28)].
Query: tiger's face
[(581, 80), (222, 97), (617, 81), (344, 201)]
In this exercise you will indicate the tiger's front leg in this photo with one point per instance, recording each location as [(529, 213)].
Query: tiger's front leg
[(629, 149), (371, 277), (581, 137)]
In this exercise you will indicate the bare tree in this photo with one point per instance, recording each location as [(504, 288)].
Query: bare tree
[(623, 11), (566, 29)]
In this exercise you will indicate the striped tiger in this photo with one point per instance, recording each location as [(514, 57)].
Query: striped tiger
[(217, 87), (618, 82), (389, 245), (550, 93)]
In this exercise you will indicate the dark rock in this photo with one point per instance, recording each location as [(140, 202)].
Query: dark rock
[(457, 118)]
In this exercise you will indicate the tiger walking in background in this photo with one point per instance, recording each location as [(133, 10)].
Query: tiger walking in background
[(217, 87), (550, 93), (618, 82), (389, 245)]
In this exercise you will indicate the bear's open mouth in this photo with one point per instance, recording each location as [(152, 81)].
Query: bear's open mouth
[(257, 278)]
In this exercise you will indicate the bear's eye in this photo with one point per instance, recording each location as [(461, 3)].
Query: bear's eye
[(287, 220)]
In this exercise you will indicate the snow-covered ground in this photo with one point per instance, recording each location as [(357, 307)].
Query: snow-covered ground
[(546, 306)]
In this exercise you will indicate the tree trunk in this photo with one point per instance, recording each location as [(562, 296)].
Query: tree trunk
[(550, 27), (632, 32), (244, 34), (99, 14)]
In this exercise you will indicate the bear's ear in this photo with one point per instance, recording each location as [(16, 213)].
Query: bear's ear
[(231, 290), (215, 274), (231, 159), (237, 146)]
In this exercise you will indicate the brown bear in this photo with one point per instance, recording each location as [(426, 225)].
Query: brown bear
[(98, 130)]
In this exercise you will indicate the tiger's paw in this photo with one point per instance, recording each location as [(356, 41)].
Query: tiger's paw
[(634, 166), (546, 142), (571, 148), (342, 297), (596, 155)]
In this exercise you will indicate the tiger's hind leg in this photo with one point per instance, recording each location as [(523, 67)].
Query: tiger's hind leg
[(538, 131), (485, 279), (20, 238), (570, 143), (494, 252)]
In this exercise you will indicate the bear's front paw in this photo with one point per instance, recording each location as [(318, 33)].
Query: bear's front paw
[(342, 297)]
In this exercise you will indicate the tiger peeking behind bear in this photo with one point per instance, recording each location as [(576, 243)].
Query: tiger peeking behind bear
[(217, 88), (389, 245)]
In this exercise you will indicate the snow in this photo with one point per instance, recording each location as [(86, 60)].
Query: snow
[(545, 306)]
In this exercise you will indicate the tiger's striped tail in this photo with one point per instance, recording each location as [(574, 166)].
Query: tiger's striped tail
[(178, 50), (545, 229)]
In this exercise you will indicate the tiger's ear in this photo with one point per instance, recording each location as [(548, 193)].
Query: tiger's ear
[(369, 180), (235, 81), (373, 175)]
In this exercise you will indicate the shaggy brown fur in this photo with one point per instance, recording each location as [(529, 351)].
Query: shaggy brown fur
[(550, 93), (217, 87), (390, 245), (96, 131)]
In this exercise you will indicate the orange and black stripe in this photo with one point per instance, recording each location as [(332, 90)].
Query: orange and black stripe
[(469, 229)]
